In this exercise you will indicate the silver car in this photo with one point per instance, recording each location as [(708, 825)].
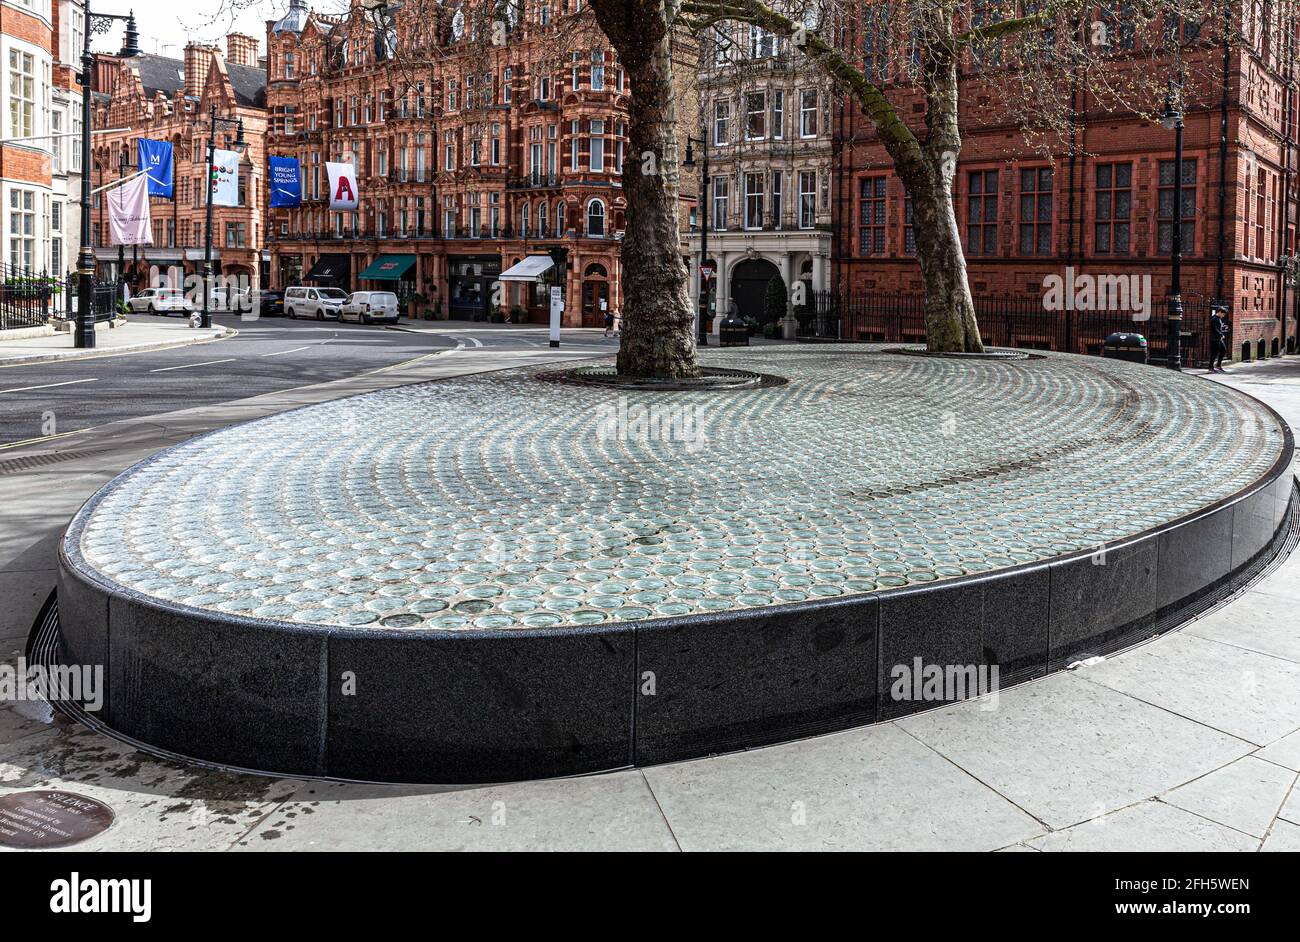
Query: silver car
[(369, 307), (161, 301)]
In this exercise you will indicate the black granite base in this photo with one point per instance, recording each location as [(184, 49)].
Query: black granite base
[(481, 706)]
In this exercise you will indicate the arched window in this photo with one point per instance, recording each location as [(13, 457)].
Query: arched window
[(595, 271), (523, 221), (559, 219), (596, 219), (541, 220)]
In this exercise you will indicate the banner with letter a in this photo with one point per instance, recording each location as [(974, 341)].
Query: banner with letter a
[(286, 181), (154, 159), (343, 185), (225, 178)]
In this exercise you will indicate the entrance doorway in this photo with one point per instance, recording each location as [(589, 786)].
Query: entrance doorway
[(595, 296), (749, 282)]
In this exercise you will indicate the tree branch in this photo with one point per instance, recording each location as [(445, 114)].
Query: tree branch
[(992, 31)]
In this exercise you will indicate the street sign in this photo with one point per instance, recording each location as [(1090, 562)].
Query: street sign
[(709, 271), (557, 308)]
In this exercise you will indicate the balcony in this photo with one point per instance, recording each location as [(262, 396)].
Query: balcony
[(534, 181)]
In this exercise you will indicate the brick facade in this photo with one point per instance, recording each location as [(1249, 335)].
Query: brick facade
[(470, 156), (1052, 209), (168, 99)]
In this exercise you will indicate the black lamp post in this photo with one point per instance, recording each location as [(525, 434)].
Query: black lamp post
[(703, 320), (239, 145), (84, 334), (122, 164), (1171, 119)]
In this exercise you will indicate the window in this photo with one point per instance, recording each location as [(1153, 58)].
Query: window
[(541, 220), (807, 199), (496, 145), (22, 94), (754, 201), (1165, 213), (982, 213), (76, 136), (762, 44), (1036, 211), (449, 150), (289, 65), (755, 116), (559, 219), (1121, 25), (596, 219), (808, 112), (909, 232), (722, 122), (871, 216), (778, 114), (574, 157), (451, 95), (1114, 205), (721, 196), (505, 85), (597, 145), (56, 142), (875, 42), (523, 220), (778, 210), (22, 228), (597, 71)]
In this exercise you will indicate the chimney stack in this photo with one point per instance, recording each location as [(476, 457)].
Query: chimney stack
[(241, 49), (198, 58)]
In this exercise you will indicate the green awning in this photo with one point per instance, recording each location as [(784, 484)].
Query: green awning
[(387, 268)]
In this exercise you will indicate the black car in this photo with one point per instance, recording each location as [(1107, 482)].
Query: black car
[(270, 303)]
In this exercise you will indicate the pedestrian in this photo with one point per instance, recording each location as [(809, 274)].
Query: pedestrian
[(609, 323), (1219, 330)]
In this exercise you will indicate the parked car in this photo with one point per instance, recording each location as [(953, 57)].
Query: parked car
[(320, 303), (270, 303), (370, 306), (163, 301)]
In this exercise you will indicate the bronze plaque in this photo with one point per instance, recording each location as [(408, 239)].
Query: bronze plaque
[(30, 820)]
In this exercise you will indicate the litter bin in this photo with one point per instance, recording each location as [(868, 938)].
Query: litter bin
[(1125, 346), (733, 332)]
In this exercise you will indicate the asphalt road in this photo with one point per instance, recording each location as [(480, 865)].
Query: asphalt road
[(268, 354)]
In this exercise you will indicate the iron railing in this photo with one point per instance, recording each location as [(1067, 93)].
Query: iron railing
[(1019, 322), (28, 298)]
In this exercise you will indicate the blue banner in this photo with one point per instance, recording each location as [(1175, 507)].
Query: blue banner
[(285, 181), (155, 161)]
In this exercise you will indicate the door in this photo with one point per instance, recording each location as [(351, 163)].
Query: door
[(595, 300)]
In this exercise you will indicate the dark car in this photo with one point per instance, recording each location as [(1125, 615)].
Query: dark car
[(270, 303)]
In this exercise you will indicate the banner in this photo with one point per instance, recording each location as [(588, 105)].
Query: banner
[(155, 159), (286, 182), (343, 185), (225, 178), (128, 213)]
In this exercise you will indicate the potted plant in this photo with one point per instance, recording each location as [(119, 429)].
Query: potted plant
[(753, 325)]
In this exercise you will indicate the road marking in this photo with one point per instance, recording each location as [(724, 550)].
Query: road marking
[(186, 366), (71, 382), (280, 353), (43, 438)]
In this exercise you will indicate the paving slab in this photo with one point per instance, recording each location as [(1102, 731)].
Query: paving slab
[(1148, 827), (1256, 621), (1291, 807), (1284, 838), (868, 789), (1285, 752), (1250, 695), (1245, 795), (615, 812), (1067, 750)]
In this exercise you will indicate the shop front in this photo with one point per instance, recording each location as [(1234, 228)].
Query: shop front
[(331, 271), (395, 273), (469, 285)]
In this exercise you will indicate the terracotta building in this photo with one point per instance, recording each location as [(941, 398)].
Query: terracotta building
[(764, 119), (167, 99), (40, 169), (471, 156), (1105, 206)]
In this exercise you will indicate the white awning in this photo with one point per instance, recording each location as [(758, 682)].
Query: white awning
[(530, 269)]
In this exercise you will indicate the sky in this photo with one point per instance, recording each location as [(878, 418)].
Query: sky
[(164, 33)]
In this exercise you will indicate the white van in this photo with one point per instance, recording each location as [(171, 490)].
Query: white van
[(370, 306), (320, 303)]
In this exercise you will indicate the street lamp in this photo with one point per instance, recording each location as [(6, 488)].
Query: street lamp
[(703, 319), (1171, 119), (122, 163), (239, 145), (84, 334)]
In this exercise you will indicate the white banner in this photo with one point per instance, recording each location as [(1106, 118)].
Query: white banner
[(343, 185), (129, 222), (225, 178)]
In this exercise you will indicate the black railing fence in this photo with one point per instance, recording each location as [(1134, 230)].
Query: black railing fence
[(32, 299), (1004, 322)]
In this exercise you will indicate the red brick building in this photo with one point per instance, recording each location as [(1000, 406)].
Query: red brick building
[(1106, 206), (471, 156), (168, 99)]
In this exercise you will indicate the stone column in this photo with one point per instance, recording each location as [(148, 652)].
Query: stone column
[(789, 326)]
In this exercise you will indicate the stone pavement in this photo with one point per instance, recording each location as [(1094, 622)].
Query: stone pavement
[(140, 332), (1190, 742)]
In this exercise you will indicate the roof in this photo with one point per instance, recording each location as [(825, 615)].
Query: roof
[(294, 20), (159, 73), (249, 84)]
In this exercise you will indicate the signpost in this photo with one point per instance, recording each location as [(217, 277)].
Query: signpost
[(557, 308)]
